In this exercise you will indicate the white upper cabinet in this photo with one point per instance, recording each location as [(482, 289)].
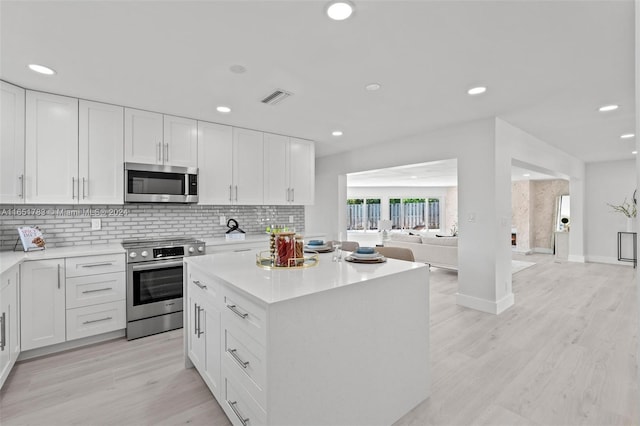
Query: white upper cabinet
[(215, 163), (100, 166), (143, 141), (11, 144), (153, 138), (180, 141), (51, 155), (302, 171), (289, 175), (248, 167)]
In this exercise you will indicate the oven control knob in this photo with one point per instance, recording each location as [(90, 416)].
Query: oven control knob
[(133, 254), (200, 249), (144, 254), (191, 249)]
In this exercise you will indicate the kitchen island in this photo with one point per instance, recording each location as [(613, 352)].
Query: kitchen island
[(334, 344)]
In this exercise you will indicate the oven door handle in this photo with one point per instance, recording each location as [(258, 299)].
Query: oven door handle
[(155, 265)]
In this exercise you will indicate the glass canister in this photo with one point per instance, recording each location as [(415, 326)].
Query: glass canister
[(285, 248), (299, 250)]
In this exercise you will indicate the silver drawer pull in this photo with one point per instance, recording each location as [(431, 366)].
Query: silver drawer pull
[(3, 327), (239, 250), (239, 360), (98, 320), (242, 419), (235, 310), (93, 265), (97, 289), (199, 284)]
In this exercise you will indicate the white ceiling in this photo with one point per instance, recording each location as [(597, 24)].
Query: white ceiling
[(548, 64), (442, 173)]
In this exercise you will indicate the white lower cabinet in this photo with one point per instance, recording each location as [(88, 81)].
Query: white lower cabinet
[(203, 329), (42, 303), (72, 298), (9, 325)]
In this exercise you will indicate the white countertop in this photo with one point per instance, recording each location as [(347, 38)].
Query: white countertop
[(10, 258), (276, 285)]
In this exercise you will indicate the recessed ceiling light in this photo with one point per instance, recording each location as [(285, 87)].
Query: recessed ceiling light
[(608, 108), (337, 133), (41, 69), (627, 136), (223, 109), (340, 10), (414, 177), (372, 87), (238, 69), (526, 174), (634, 152), (477, 90)]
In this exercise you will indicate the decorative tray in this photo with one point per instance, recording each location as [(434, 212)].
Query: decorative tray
[(264, 260)]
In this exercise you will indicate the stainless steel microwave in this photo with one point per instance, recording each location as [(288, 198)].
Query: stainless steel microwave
[(151, 183)]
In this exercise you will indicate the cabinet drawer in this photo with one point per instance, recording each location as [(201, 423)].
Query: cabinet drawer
[(91, 265), (244, 359), (96, 319), (95, 289), (240, 407), (202, 285), (243, 314)]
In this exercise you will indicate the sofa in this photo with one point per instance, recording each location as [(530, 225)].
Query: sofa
[(441, 252)]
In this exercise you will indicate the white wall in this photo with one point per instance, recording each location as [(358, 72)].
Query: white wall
[(608, 182)]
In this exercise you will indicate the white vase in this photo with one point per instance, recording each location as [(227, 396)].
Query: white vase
[(631, 224)]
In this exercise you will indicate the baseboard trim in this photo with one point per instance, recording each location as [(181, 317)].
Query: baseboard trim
[(608, 260), (72, 344), (485, 305), (543, 250), (577, 258)]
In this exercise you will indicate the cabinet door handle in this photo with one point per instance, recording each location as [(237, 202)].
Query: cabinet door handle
[(58, 275), (83, 189), (195, 319), (97, 289), (73, 188), (202, 286), (288, 192), (93, 265), (21, 179), (235, 310), (97, 320), (242, 419), (159, 150), (3, 331), (200, 332), (236, 193), (230, 193), (166, 152), (293, 195), (239, 360)]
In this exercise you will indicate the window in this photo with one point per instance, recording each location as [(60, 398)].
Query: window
[(415, 213), (363, 214)]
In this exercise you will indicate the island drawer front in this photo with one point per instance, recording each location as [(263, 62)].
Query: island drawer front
[(91, 265), (95, 289), (238, 405), (96, 319), (241, 313), (244, 359), (204, 285)]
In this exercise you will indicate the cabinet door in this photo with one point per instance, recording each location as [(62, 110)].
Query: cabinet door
[(180, 141), (101, 169), (51, 159), (276, 173), (302, 171), (215, 162), (248, 167), (143, 140), (11, 144), (42, 303), (213, 342), (9, 342), (196, 331)]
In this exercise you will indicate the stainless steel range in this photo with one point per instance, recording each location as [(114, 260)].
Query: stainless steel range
[(154, 283)]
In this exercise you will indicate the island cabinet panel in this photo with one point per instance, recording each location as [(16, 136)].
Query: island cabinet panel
[(334, 344)]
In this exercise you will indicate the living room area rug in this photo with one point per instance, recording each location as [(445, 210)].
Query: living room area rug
[(519, 265)]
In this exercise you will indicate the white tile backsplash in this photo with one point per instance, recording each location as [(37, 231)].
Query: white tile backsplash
[(65, 226)]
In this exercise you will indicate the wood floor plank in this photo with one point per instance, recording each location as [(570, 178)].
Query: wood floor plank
[(565, 354)]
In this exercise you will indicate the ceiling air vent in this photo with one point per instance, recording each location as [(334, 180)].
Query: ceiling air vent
[(277, 96)]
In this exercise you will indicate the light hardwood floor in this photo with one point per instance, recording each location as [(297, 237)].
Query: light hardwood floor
[(565, 354)]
